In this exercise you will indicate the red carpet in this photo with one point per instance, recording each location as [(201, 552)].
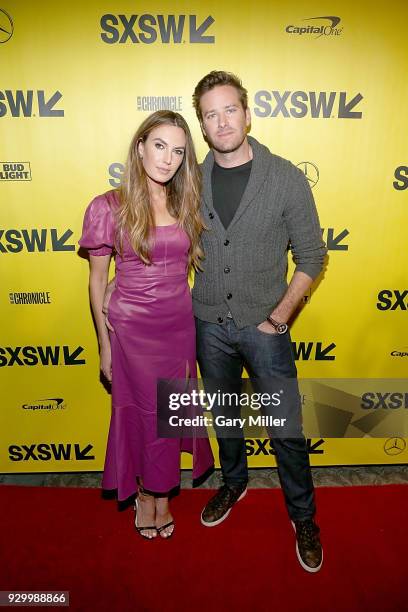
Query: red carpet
[(71, 539)]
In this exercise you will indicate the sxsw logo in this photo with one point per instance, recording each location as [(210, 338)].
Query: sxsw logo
[(313, 351), (15, 171), (389, 401), (41, 240), (327, 28), (255, 447), (149, 29), (30, 103), (392, 299), (47, 452), (401, 174), (299, 104), (40, 355), (115, 172), (335, 241)]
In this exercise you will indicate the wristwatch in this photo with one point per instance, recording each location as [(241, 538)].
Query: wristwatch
[(281, 328)]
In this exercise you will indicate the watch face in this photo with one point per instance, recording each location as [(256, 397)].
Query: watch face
[(282, 328)]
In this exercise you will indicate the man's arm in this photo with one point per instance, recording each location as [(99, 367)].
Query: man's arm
[(308, 248)]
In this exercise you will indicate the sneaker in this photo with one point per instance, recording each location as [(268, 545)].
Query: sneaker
[(308, 548), (219, 506)]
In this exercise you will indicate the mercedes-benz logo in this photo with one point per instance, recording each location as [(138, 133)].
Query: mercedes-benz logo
[(310, 171), (6, 26), (394, 446)]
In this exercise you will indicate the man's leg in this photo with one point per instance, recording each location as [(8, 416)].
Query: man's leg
[(219, 361), (268, 356)]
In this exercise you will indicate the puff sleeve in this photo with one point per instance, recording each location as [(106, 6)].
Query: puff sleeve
[(98, 227)]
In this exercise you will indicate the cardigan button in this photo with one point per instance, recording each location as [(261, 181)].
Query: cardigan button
[(227, 269), (229, 296), (211, 215), (220, 320), (226, 242)]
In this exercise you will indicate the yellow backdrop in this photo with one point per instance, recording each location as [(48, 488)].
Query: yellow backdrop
[(327, 92)]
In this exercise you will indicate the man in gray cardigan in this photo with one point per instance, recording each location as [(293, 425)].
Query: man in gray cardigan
[(254, 204)]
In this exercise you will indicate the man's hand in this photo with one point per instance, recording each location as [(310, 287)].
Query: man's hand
[(267, 328), (106, 362), (110, 287)]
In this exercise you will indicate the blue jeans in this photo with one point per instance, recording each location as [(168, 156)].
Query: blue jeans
[(222, 352)]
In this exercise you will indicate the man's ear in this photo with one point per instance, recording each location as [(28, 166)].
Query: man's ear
[(248, 117)]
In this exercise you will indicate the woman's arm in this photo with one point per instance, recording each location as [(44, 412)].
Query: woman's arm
[(98, 279)]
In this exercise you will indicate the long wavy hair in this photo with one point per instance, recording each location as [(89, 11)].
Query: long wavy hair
[(134, 215)]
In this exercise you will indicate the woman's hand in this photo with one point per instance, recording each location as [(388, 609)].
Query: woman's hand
[(106, 362)]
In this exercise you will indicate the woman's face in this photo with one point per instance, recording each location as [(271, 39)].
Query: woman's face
[(162, 152)]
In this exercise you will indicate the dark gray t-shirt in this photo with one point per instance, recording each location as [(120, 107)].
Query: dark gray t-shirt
[(228, 186)]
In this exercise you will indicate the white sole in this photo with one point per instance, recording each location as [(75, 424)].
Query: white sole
[(215, 523), (312, 570)]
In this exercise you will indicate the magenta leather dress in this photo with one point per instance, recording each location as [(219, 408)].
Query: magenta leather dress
[(151, 312)]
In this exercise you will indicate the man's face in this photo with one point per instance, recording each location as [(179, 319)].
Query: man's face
[(224, 121)]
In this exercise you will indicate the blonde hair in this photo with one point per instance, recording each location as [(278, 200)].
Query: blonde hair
[(134, 216)]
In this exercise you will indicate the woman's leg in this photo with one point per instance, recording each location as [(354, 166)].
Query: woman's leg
[(145, 513)]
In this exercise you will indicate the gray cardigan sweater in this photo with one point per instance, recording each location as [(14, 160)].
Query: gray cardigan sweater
[(248, 261)]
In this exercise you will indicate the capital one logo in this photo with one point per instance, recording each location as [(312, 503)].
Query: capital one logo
[(30, 103), (6, 26), (300, 104), (328, 28), (148, 29)]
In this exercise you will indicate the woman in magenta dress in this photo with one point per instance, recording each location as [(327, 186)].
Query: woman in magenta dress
[(152, 225)]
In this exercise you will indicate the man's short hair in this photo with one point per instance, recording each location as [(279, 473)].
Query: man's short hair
[(213, 79)]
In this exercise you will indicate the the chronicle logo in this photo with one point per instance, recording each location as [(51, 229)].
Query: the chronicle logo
[(19, 298), (6, 26), (41, 240), (401, 176), (30, 103), (311, 172), (389, 401), (40, 355), (156, 103), (49, 403), (314, 104), (392, 299), (15, 171), (148, 29), (316, 30)]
